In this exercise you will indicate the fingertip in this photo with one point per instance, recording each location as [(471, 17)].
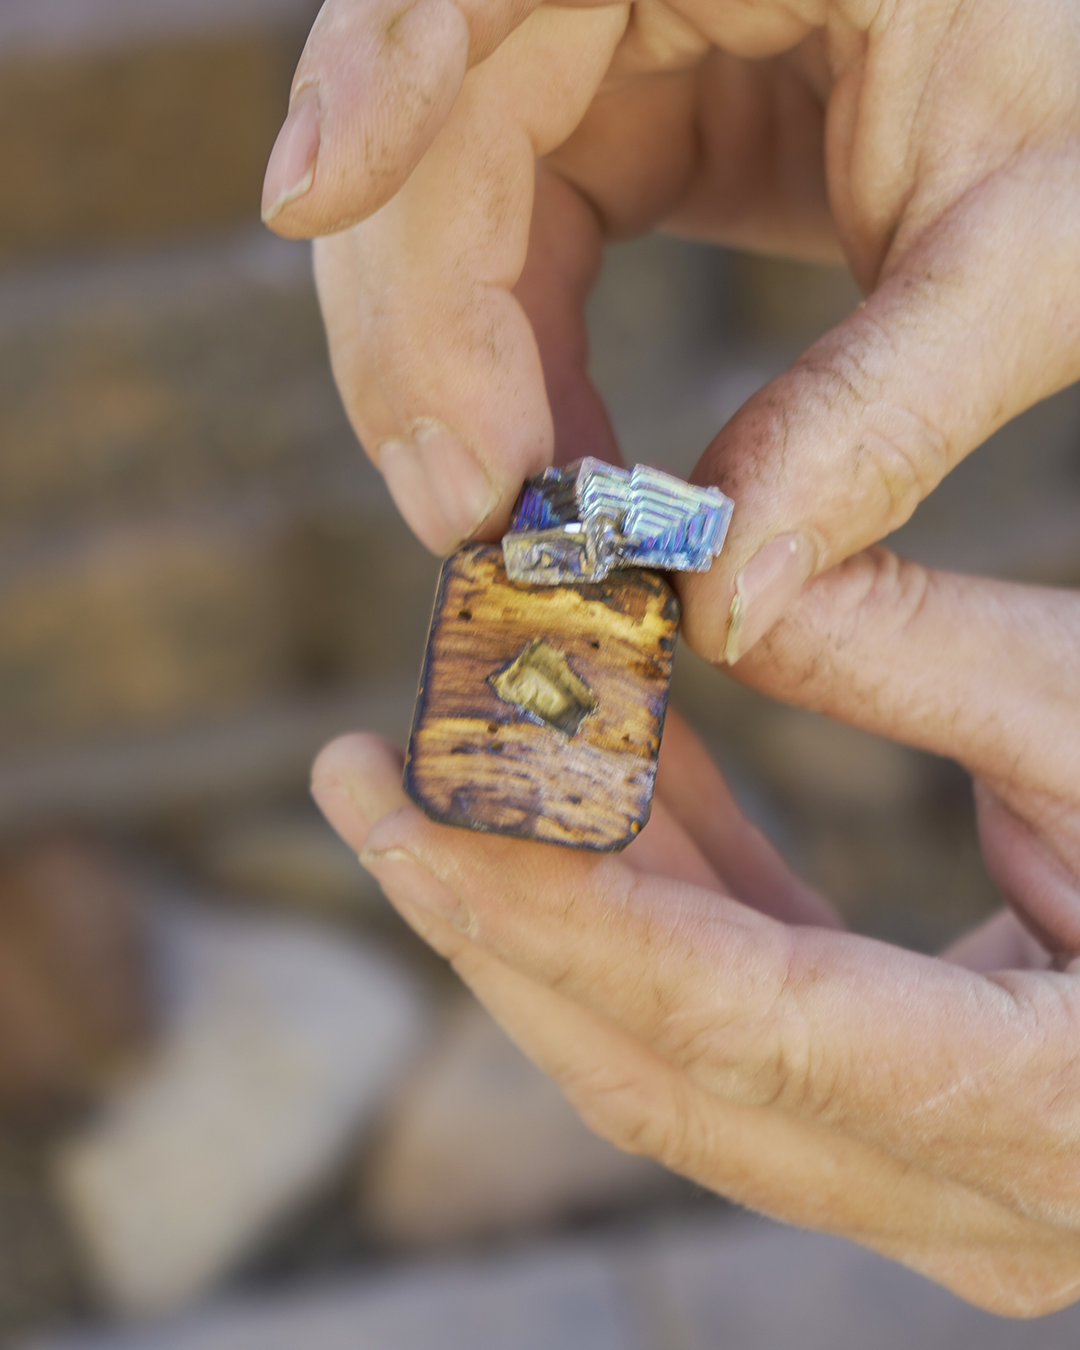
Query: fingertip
[(463, 490), (444, 494), (410, 489), (706, 600), (387, 74), (356, 781)]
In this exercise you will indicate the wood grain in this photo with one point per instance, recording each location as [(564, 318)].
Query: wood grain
[(479, 761)]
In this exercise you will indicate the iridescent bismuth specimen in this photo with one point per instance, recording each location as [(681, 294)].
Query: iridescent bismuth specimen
[(548, 665), (575, 525)]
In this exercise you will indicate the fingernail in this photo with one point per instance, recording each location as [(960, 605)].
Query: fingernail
[(348, 784), (406, 880), (342, 810), (461, 489), (349, 806), (290, 171), (764, 588), (399, 463)]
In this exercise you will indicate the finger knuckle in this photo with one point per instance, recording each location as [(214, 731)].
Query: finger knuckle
[(900, 459), (897, 456), (620, 1108), (708, 1047), (802, 1074), (1045, 1031), (882, 586), (770, 1057), (874, 591)]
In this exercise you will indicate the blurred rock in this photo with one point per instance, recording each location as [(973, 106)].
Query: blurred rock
[(546, 1300), (73, 988), (39, 1266), (279, 1044), (177, 619), (733, 1283), (199, 768), (481, 1142)]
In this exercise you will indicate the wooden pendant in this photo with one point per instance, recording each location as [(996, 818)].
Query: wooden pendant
[(541, 708)]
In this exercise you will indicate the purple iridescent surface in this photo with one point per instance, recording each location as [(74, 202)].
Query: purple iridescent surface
[(578, 523)]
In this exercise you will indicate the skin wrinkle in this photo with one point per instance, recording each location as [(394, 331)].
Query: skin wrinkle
[(689, 1034), (900, 1091), (902, 592), (902, 472), (791, 1026), (592, 1089), (592, 1084), (765, 447), (932, 1105), (688, 1039), (679, 1148), (916, 123), (966, 324), (655, 990), (660, 1137), (680, 56)]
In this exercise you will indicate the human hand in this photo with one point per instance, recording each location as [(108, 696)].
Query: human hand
[(932, 144), (698, 1003)]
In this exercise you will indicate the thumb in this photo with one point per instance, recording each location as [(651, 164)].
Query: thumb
[(980, 320), (375, 83)]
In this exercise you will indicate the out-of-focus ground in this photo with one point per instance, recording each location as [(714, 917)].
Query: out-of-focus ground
[(229, 1071)]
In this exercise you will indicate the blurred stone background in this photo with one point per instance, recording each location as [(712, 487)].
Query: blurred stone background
[(223, 1062)]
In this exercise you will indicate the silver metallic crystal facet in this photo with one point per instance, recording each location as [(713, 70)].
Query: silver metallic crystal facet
[(576, 524)]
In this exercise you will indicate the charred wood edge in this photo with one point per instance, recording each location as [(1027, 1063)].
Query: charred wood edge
[(127, 779)]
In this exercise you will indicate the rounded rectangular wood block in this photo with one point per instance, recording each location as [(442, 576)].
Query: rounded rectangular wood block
[(541, 708)]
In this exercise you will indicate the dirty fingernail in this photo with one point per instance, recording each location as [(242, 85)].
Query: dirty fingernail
[(461, 489), (399, 462), (764, 588), (290, 171), (406, 880)]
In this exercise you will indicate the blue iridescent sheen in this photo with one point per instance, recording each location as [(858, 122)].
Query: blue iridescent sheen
[(578, 523), (534, 510)]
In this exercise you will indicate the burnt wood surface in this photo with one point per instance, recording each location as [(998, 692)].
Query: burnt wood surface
[(508, 669)]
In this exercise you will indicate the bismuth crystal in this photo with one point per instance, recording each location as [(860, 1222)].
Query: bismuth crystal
[(576, 524)]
